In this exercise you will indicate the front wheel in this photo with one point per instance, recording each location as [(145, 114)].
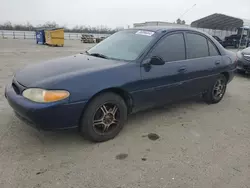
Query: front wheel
[(104, 117), (217, 91)]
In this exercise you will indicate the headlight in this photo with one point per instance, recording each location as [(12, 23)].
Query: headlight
[(45, 96), (246, 55)]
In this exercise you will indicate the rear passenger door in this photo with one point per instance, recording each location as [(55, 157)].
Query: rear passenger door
[(203, 60)]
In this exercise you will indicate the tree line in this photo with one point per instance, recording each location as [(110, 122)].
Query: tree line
[(77, 29), (181, 22)]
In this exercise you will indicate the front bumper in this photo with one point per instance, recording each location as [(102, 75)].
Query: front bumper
[(243, 65), (50, 116)]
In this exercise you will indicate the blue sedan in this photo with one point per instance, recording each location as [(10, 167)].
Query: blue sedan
[(130, 71)]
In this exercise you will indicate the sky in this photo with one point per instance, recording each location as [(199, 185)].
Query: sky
[(115, 13)]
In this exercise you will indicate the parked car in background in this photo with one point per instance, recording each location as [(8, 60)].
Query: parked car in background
[(130, 71), (234, 41), (100, 39), (239, 39), (87, 38), (243, 62), (219, 40)]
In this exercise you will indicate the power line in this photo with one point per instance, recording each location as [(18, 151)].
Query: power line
[(187, 11)]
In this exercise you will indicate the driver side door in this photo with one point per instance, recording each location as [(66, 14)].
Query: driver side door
[(164, 82)]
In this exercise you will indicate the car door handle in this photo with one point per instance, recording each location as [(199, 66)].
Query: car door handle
[(217, 62), (182, 69)]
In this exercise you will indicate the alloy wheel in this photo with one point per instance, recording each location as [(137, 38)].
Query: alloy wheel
[(219, 88), (106, 118)]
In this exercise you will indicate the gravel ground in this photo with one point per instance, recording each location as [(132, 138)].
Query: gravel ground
[(199, 145)]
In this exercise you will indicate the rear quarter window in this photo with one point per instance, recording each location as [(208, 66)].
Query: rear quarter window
[(213, 51), (197, 46)]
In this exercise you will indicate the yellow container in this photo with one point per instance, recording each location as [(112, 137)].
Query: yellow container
[(54, 37)]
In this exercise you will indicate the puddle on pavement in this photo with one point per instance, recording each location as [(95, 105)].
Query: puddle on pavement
[(41, 171), (121, 156), (153, 136), (143, 158)]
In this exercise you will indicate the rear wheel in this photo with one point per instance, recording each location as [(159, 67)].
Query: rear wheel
[(217, 91), (104, 117)]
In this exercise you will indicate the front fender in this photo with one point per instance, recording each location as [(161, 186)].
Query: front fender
[(84, 87)]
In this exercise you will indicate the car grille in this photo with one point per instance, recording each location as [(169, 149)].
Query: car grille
[(247, 68), (18, 88), (247, 58)]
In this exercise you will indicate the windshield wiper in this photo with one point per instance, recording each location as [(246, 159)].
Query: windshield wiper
[(98, 55)]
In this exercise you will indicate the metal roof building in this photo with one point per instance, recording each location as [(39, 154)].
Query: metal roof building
[(221, 22), (216, 24)]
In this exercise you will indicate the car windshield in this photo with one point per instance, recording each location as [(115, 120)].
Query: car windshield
[(124, 45)]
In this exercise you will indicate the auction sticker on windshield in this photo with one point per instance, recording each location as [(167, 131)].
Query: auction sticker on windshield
[(147, 33)]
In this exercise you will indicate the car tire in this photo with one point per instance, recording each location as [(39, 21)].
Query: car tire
[(101, 121), (216, 92)]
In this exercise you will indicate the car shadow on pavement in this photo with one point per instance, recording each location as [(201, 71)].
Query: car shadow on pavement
[(178, 108), (243, 75), (69, 138)]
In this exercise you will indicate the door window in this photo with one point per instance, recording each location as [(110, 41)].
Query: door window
[(196, 46), (170, 48)]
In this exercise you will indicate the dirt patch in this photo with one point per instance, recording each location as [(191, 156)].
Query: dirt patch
[(121, 156), (153, 136)]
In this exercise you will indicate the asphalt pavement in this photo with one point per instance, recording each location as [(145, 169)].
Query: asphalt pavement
[(188, 144)]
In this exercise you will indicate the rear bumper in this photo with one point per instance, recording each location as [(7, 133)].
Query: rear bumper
[(53, 116)]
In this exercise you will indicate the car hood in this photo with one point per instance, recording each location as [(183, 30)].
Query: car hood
[(33, 75), (246, 51)]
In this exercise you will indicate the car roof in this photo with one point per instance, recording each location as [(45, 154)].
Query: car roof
[(160, 29), (163, 29)]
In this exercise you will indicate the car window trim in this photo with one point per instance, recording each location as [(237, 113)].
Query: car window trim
[(209, 39), (202, 35), (208, 48), (144, 53), (163, 37)]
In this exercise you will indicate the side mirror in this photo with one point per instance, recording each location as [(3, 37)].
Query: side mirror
[(156, 61)]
